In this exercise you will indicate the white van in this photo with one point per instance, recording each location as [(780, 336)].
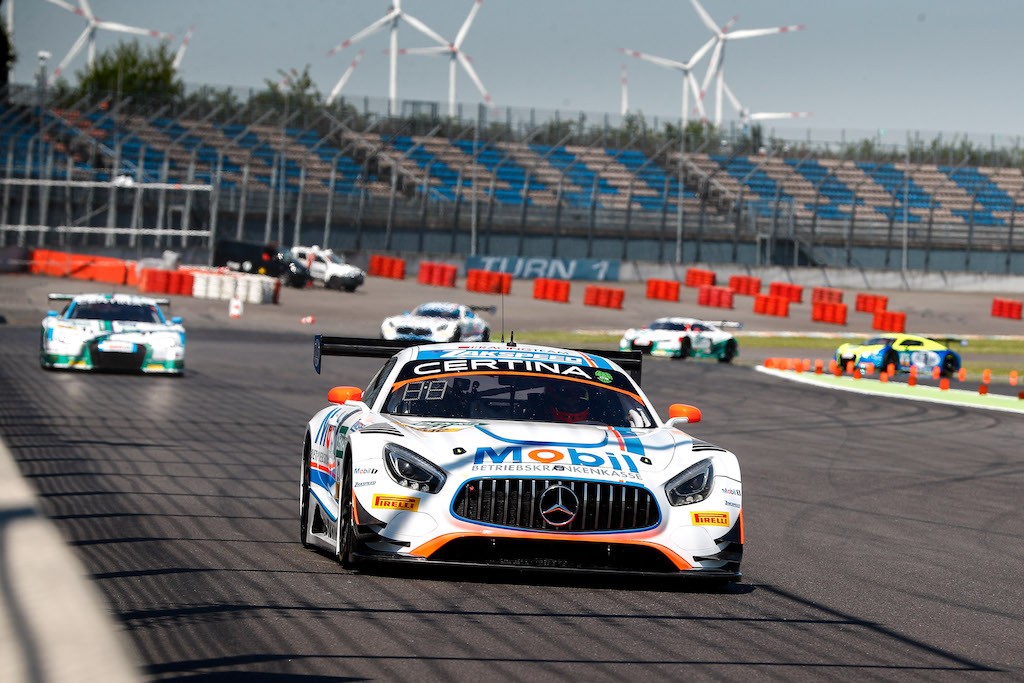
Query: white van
[(330, 268)]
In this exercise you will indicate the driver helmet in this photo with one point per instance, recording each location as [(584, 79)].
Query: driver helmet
[(570, 402)]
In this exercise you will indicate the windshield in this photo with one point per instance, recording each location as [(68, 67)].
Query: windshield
[(661, 325), (332, 257), (108, 310), (878, 341), (499, 395), (433, 311)]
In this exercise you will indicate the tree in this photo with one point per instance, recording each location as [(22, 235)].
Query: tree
[(127, 70)]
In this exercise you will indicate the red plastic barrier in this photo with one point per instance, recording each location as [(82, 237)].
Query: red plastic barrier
[(488, 281), (828, 312), (766, 304), (551, 290), (665, 290), (437, 274), (717, 297), (890, 321), (696, 277), (871, 303), (605, 297), (386, 266), (745, 284), (786, 290), (1006, 308), (153, 281), (827, 295)]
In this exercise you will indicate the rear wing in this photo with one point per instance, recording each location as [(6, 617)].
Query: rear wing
[(485, 309), (726, 324), (630, 361)]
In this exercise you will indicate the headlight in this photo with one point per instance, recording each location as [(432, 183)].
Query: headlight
[(411, 470), (444, 325), (692, 485)]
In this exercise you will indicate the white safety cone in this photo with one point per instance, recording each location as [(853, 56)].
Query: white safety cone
[(235, 307)]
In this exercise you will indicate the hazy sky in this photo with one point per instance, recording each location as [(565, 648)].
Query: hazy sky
[(950, 66)]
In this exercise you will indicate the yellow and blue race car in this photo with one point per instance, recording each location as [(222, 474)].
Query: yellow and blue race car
[(903, 351)]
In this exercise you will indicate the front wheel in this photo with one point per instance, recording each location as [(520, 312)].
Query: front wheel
[(304, 499), (684, 348), (346, 542), (728, 353), (891, 358), (950, 365)]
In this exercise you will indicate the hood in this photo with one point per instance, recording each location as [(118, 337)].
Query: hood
[(531, 449), (420, 320), (117, 327)]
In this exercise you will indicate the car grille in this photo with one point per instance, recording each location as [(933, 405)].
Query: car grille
[(416, 331), (127, 362), (515, 503)]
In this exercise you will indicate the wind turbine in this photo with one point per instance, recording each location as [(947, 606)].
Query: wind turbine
[(456, 56), (180, 54), (686, 68), (746, 116), (722, 35), (392, 18), (345, 76), (89, 34)]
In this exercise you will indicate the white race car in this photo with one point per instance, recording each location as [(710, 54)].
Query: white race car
[(493, 454), (683, 338), (116, 332), (439, 321)]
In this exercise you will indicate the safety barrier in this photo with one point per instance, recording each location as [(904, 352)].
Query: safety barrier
[(828, 312), (605, 297), (766, 304), (665, 290), (716, 297), (437, 274), (889, 321), (786, 290), (697, 277), (551, 290), (871, 303), (248, 288), (105, 269), (826, 295), (386, 266), (745, 284), (488, 281), (1006, 308)]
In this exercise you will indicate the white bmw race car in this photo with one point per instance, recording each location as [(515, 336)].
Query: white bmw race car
[(493, 454), (114, 332), (439, 321), (684, 338)]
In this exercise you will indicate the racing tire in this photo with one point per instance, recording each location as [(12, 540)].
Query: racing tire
[(351, 288), (456, 336), (346, 530), (486, 336), (684, 348), (893, 358), (950, 366), (333, 283), (728, 353), (304, 498)]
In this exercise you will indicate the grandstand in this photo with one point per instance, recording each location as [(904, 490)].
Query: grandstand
[(359, 180)]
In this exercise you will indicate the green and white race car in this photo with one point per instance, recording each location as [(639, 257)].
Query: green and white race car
[(112, 332), (684, 338)]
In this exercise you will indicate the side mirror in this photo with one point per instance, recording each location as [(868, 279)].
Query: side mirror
[(51, 314), (177, 320), (680, 414), (340, 395)]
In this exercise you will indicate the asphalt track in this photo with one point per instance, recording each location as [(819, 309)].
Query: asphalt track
[(884, 537)]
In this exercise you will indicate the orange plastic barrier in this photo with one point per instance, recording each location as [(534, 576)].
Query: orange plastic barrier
[(889, 321), (828, 312), (871, 303), (765, 304), (386, 266), (666, 290), (696, 277), (826, 295), (717, 297), (745, 284), (551, 290), (786, 290), (1006, 308), (488, 281), (437, 274), (154, 281), (605, 297)]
